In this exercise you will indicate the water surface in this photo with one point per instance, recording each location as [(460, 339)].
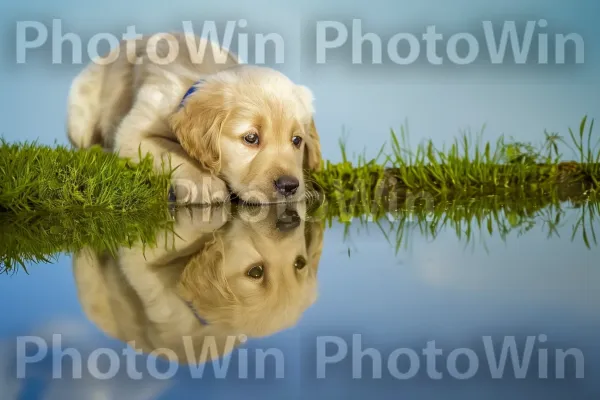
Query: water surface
[(335, 303)]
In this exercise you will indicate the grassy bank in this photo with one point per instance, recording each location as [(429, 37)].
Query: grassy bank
[(468, 168), (57, 179), (54, 199)]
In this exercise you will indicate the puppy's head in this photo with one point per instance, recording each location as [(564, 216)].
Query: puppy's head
[(256, 278), (254, 128)]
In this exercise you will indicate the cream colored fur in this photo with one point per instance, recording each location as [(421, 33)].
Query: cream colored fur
[(139, 296), (129, 102)]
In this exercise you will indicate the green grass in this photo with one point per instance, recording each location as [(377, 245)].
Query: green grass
[(468, 168), (56, 200), (472, 187), (35, 178), (53, 179)]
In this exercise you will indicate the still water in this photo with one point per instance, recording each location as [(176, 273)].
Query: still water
[(286, 305)]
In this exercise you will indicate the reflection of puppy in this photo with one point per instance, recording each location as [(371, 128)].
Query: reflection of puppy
[(224, 125), (211, 286)]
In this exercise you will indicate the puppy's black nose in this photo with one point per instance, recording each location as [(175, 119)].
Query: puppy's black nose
[(286, 185)]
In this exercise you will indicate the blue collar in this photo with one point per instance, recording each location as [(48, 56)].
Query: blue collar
[(193, 310), (198, 317), (190, 91)]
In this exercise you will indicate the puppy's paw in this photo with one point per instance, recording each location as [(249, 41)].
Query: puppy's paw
[(204, 189)]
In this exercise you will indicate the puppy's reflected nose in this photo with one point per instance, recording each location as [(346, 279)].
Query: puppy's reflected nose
[(288, 221), (287, 185)]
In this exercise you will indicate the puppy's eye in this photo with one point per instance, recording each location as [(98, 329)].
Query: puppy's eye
[(251, 138), (297, 141), (299, 263), (256, 272)]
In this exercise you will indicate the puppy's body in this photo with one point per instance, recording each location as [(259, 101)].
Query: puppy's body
[(132, 104)]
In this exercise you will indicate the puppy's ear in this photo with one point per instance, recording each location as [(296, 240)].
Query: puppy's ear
[(312, 153), (203, 279), (197, 125), (313, 234)]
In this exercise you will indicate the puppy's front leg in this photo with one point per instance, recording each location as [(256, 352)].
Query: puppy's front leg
[(190, 183), (190, 226)]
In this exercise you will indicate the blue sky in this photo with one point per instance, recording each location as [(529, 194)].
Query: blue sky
[(364, 101)]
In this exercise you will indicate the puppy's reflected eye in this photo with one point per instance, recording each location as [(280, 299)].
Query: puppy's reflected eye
[(297, 141), (300, 263), (256, 272), (251, 138)]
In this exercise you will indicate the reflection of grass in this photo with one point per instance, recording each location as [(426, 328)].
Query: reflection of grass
[(39, 237), (585, 223), (32, 237), (473, 218)]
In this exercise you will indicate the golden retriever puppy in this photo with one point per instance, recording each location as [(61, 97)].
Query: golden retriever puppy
[(222, 127), (210, 283)]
